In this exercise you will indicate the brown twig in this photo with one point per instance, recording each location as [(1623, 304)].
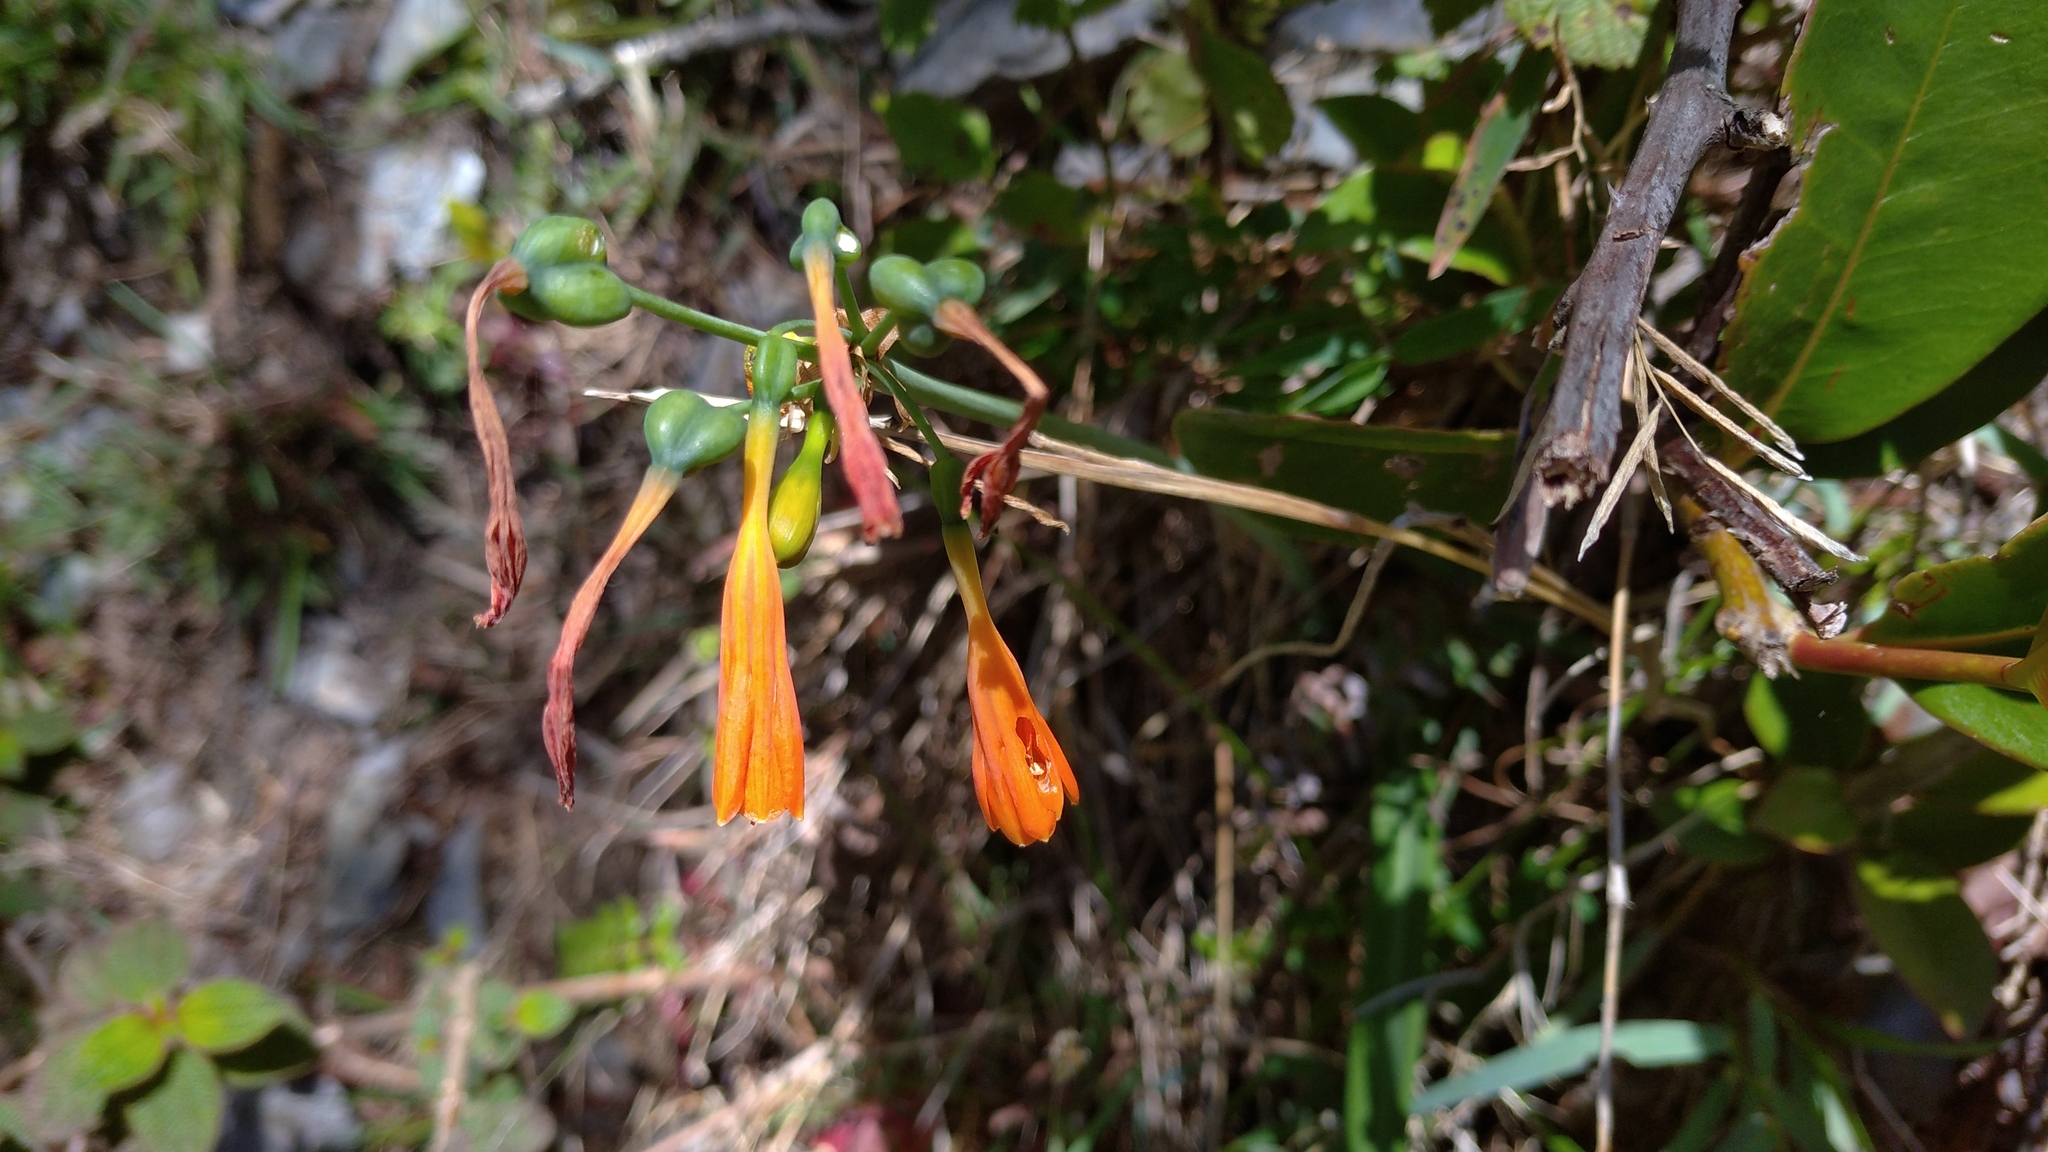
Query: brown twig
[(455, 1054), (1617, 842), (1572, 452), (1745, 227)]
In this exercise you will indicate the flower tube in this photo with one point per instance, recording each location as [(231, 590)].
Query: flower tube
[(860, 452)]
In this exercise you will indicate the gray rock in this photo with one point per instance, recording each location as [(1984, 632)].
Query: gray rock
[(1357, 26), (329, 678), (417, 31), (457, 901), (402, 218), (365, 850), (977, 39), (310, 51), (151, 813), (316, 1121)]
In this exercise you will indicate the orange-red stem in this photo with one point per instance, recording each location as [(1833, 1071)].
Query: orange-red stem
[(1855, 658), (860, 452), (995, 471)]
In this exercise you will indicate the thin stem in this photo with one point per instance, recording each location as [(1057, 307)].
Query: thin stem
[(689, 317), (1852, 658), (1217, 1072), (1617, 842), (856, 328)]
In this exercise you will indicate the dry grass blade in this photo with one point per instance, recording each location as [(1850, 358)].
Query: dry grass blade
[(1715, 416), (1701, 372), (1646, 413), (1639, 448)]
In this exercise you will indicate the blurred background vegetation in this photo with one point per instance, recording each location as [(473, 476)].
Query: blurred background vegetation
[(277, 835)]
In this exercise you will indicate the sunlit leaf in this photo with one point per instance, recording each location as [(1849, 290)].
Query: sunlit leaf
[(1912, 254), (145, 960), (1503, 124), (1167, 102), (182, 1112), (1935, 942), (225, 1015), (1600, 33), (1971, 602), (1643, 1043), (2014, 725), (1251, 104), (938, 138)]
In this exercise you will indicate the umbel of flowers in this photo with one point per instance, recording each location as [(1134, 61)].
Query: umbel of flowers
[(557, 271)]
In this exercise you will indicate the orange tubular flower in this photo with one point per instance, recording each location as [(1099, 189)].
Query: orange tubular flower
[(860, 452), (504, 538), (1021, 777), (758, 761)]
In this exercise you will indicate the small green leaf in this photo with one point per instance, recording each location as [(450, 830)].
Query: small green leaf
[(145, 960), (1600, 33), (1699, 1125), (1251, 104), (123, 1052), (1045, 209), (1497, 314), (226, 1015), (906, 23), (1167, 102), (181, 1113), (1805, 809), (13, 761), (1368, 469), (1381, 130), (500, 1119), (1970, 603), (1935, 942), (1503, 124), (44, 732), (14, 1122), (938, 138), (1643, 1043), (1998, 720), (541, 1014), (1945, 828), (1721, 834), (82, 983)]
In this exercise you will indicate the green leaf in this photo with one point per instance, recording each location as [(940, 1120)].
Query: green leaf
[(1815, 719), (1503, 124), (1381, 130), (1167, 102), (1805, 809), (541, 1014), (181, 1113), (1044, 209), (1935, 942), (1497, 314), (1699, 1125), (226, 1015), (1945, 827), (1920, 242), (1600, 33), (2022, 798), (122, 1052), (499, 1119), (43, 732), (1373, 471), (1721, 835), (906, 23), (1251, 104), (2029, 458), (940, 139), (145, 960), (13, 761), (2014, 725), (1972, 602), (1994, 384), (1382, 1048), (1643, 1043)]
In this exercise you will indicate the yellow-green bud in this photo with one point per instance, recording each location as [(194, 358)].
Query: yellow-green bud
[(583, 295), (793, 509), (553, 240)]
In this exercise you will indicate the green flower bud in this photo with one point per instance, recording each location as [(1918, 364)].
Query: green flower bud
[(922, 340), (685, 433), (775, 363), (821, 220), (956, 279), (583, 295), (903, 286), (793, 509), (846, 249), (554, 240)]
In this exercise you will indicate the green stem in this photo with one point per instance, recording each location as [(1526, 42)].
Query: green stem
[(691, 318), (995, 410), (1852, 658), (877, 335), (856, 328)]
